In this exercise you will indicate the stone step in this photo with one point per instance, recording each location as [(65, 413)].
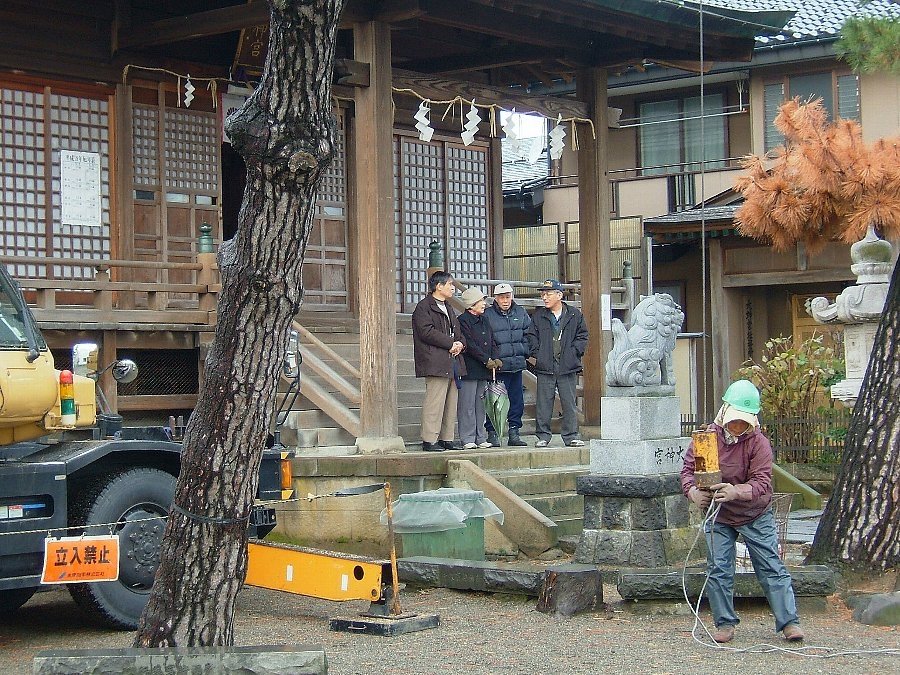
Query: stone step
[(528, 457), (311, 419), (328, 436), (525, 482), (558, 504), (568, 526)]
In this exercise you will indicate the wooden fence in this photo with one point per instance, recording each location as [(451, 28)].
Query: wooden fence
[(817, 439)]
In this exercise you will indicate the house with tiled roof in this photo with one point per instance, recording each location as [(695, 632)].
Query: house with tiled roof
[(675, 154)]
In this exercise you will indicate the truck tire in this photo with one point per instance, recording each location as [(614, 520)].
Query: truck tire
[(13, 598), (126, 499)]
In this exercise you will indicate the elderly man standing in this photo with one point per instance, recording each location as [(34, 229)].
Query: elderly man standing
[(437, 344), (557, 339), (509, 321)]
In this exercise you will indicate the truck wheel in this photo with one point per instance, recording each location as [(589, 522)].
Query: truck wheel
[(13, 598), (127, 499)]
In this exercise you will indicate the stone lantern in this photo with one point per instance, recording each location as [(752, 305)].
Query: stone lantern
[(859, 307)]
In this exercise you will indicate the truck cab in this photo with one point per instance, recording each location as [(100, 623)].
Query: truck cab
[(64, 476)]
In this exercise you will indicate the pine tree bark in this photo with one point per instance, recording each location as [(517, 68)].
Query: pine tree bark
[(861, 523), (286, 135)]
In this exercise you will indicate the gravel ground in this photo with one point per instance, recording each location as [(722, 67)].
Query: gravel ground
[(484, 633)]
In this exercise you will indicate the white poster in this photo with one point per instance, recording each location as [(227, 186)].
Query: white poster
[(80, 188)]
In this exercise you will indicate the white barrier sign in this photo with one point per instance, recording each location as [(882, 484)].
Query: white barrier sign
[(80, 188)]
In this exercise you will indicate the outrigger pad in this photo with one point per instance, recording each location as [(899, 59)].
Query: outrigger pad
[(386, 626)]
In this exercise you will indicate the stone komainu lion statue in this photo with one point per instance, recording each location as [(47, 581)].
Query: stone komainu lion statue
[(642, 355)]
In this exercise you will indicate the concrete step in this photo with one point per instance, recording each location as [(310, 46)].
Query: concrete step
[(510, 459), (311, 419), (525, 482), (567, 526), (558, 504)]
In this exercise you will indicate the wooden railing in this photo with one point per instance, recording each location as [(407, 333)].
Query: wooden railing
[(95, 291)]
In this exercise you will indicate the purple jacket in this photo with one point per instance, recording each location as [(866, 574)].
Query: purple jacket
[(748, 466)]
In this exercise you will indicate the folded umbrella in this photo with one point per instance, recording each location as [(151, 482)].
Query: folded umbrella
[(496, 404)]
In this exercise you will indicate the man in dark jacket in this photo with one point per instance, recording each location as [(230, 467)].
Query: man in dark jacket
[(509, 322), (557, 339), (437, 344)]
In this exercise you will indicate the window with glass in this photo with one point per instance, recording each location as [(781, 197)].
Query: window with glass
[(839, 94), (676, 135)]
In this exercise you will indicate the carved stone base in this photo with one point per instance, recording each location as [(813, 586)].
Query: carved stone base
[(635, 521)]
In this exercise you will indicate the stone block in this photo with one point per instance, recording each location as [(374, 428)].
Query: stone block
[(629, 486), (635, 418), (666, 583), (612, 547), (593, 513), (470, 575), (678, 511), (878, 609), (587, 544), (648, 513), (647, 549), (638, 458), (616, 514), (678, 541), (300, 659)]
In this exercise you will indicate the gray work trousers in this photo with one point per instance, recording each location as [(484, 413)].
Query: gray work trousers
[(470, 411), (439, 409), (547, 386)]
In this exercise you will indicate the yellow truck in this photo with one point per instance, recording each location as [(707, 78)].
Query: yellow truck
[(62, 473)]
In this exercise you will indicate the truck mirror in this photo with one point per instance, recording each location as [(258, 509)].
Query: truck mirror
[(84, 359), (292, 355), (124, 371)]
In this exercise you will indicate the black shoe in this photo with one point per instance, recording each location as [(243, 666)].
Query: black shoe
[(431, 447), (514, 439), (450, 445), (494, 439)]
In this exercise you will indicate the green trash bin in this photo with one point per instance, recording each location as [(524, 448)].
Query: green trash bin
[(443, 523)]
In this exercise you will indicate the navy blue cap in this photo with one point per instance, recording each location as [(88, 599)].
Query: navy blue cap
[(551, 285)]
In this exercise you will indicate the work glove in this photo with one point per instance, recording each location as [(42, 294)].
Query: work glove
[(700, 497), (724, 492), (494, 364), (532, 360)]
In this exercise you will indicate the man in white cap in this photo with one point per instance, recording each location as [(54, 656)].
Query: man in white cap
[(509, 321), (741, 505)]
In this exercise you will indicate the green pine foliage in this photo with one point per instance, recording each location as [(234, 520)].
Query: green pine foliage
[(871, 44)]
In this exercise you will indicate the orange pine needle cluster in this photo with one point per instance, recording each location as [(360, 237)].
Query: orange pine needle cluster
[(824, 184)]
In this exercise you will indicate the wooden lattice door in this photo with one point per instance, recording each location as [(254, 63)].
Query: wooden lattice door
[(441, 193), (176, 166), (325, 262), (38, 122)]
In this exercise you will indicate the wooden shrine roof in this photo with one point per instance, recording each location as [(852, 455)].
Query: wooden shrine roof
[(496, 42)]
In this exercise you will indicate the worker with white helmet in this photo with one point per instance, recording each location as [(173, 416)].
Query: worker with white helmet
[(744, 502)]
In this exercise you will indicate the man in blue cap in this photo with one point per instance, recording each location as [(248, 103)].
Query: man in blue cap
[(557, 339)]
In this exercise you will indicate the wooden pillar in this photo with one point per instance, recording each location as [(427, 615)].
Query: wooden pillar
[(107, 383), (374, 219), (594, 239), (123, 229), (496, 206), (722, 310)]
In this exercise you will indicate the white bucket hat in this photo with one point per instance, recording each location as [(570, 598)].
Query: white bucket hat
[(731, 414)]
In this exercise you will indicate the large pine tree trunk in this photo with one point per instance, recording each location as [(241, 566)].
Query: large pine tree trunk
[(861, 523), (286, 134)]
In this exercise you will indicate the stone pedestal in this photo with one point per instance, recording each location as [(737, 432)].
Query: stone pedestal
[(634, 512), (858, 341)]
